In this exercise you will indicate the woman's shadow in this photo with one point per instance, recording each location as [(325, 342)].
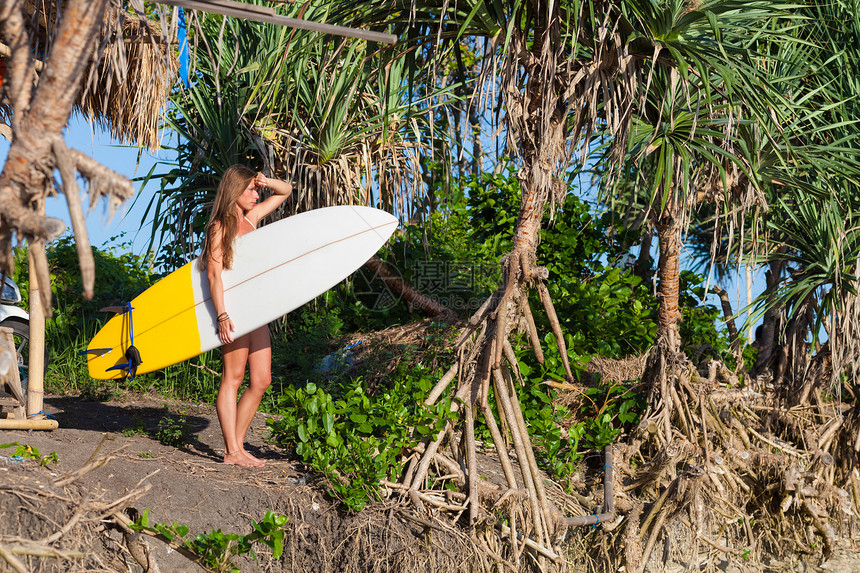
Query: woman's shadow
[(181, 431)]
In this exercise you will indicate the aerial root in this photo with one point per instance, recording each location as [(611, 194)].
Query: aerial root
[(486, 368), (533, 333), (712, 458), (744, 475), (556, 327)]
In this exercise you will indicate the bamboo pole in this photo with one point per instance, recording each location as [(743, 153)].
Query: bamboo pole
[(36, 365), (264, 14), (15, 424), (6, 53)]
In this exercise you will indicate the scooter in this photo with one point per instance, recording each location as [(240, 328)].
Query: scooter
[(14, 317)]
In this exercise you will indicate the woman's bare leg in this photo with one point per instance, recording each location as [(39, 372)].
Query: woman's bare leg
[(260, 365), (235, 356)]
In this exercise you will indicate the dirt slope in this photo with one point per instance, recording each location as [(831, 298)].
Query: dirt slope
[(191, 486)]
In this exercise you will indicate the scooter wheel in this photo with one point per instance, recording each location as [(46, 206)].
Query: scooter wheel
[(21, 335)]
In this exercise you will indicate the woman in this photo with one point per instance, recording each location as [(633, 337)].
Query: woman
[(235, 213)]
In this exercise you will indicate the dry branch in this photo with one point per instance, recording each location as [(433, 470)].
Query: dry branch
[(68, 172), (87, 468), (66, 518)]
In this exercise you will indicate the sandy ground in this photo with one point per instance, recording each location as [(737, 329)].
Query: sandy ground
[(191, 486), (188, 485)]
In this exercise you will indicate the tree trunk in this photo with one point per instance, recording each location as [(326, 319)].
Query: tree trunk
[(39, 119), (529, 219), (767, 340), (668, 272), (58, 87), (36, 364), (413, 298), (486, 365), (642, 268)]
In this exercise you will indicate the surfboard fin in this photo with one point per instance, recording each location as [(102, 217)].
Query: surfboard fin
[(99, 351), (132, 354), (115, 309)]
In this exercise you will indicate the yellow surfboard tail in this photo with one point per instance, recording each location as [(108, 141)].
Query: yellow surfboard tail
[(165, 341)]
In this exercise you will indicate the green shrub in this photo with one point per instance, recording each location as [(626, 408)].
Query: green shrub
[(173, 432), (217, 550), (355, 439), (26, 451)]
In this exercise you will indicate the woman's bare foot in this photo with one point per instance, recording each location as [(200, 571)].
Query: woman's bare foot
[(240, 458), (256, 461)]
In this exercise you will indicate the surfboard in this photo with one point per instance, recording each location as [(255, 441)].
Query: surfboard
[(276, 269)]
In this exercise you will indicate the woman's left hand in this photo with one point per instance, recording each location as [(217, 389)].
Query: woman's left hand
[(225, 330), (261, 181)]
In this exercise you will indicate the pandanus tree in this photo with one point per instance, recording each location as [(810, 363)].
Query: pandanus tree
[(69, 38), (810, 243), (550, 116), (679, 94), (811, 235), (807, 172)]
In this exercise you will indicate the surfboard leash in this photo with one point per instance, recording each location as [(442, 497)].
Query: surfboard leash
[(132, 354)]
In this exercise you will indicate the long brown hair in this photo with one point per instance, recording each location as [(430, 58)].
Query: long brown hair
[(223, 216)]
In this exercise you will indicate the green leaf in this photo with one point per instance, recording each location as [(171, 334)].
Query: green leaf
[(165, 531)]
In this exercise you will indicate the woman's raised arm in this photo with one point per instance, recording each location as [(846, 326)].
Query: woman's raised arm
[(280, 191)]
